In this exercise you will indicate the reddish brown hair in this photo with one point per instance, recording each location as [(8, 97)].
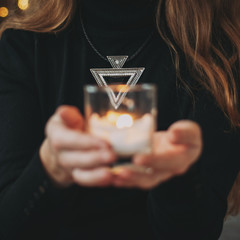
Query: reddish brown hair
[(207, 31)]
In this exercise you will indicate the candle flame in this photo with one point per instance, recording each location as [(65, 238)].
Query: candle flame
[(112, 117), (124, 121), (119, 120)]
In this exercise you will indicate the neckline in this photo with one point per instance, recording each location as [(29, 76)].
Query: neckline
[(116, 41), (118, 16)]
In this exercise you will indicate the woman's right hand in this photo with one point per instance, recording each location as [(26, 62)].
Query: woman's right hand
[(70, 155)]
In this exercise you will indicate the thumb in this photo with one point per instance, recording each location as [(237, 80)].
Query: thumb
[(185, 132), (71, 117)]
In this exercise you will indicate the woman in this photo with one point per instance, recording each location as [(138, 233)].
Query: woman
[(59, 185)]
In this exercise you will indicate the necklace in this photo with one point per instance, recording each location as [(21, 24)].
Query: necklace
[(117, 63), (106, 58)]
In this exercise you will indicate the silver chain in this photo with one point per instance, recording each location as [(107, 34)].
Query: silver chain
[(104, 58)]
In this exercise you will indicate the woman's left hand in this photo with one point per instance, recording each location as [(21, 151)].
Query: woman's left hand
[(174, 151)]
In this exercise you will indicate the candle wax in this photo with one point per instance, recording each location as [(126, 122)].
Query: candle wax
[(126, 141)]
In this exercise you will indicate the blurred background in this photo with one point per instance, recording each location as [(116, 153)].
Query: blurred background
[(7, 6), (231, 229)]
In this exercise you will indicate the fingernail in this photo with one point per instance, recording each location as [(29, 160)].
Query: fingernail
[(117, 171), (120, 172)]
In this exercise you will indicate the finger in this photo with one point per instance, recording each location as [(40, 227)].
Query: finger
[(126, 169), (100, 177), (164, 162), (61, 137), (185, 132), (133, 178), (71, 117), (85, 159), (174, 150), (188, 133)]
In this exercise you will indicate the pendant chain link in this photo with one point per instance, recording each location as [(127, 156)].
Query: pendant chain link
[(104, 58)]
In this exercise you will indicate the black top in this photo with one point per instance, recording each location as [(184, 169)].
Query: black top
[(39, 72)]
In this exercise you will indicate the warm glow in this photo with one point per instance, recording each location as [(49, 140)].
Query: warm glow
[(122, 88), (124, 121), (119, 120), (3, 12), (23, 4), (112, 117)]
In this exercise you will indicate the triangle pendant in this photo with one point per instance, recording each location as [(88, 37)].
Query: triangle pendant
[(117, 62)]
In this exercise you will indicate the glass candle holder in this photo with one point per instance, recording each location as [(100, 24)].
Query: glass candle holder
[(125, 116)]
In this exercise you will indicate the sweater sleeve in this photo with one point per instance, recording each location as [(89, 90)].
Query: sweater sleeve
[(193, 206), (25, 188)]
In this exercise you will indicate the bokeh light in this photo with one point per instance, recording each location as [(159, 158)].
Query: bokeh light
[(23, 4), (3, 12)]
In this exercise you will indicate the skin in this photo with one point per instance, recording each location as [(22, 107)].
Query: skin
[(70, 155)]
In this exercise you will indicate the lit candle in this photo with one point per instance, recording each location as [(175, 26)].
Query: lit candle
[(127, 135)]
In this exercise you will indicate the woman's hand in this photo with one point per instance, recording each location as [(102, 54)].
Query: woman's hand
[(174, 151), (70, 155)]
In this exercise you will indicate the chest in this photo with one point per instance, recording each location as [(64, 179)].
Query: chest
[(63, 68)]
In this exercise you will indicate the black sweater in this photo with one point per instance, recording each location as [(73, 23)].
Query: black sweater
[(39, 72)]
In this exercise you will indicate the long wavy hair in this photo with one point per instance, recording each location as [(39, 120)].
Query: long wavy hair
[(207, 32)]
